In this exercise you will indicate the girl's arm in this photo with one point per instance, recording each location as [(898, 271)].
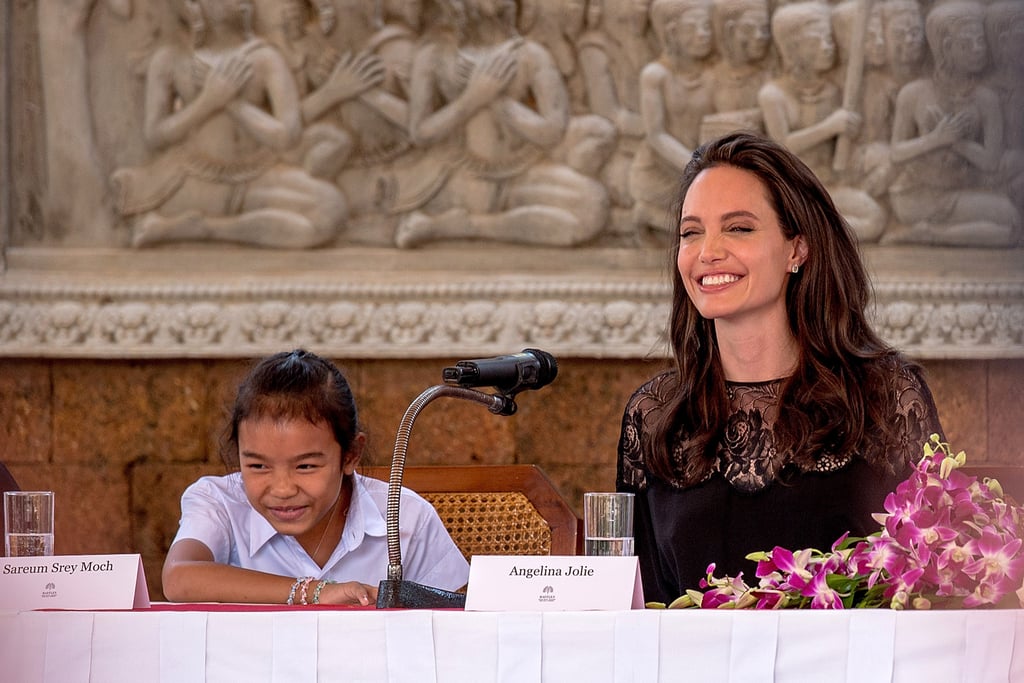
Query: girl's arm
[(191, 575)]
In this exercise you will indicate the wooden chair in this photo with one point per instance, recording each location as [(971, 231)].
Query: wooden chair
[(1010, 477), (494, 509)]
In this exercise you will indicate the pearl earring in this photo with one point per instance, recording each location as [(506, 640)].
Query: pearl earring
[(795, 269)]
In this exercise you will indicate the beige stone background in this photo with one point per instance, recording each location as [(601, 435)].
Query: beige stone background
[(114, 374)]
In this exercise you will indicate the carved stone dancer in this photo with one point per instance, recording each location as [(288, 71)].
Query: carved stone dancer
[(675, 96), (1004, 27), (221, 114), (388, 176), (493, 104), (324, 79), (590, 140), (948, 137), (558, 26), (612, 51), (802, 108), (903, 25), (742, 36)]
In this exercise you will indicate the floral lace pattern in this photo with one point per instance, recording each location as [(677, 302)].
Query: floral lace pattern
[(746, 456)]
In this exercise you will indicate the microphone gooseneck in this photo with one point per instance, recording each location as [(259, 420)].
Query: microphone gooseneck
[(496, 404), (531, 369)]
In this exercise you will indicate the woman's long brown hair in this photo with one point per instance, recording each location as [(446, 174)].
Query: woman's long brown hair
[(838, 401)]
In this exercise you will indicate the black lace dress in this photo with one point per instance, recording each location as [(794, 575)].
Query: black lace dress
[(755, 498)]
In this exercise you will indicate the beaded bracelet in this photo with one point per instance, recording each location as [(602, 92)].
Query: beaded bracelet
[(295, 587), (320, 587), (306, 580)]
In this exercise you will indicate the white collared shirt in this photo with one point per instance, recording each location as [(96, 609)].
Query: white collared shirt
[(216, 512)]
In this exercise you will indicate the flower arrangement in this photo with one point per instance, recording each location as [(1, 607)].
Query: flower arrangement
[(946, 539)]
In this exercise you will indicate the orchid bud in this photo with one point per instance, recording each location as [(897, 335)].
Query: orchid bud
[(921, 602)]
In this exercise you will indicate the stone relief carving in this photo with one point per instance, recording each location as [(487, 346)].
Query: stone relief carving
[(153, 136), (948, 134), (398, 123), (219, 115), (348, 319)]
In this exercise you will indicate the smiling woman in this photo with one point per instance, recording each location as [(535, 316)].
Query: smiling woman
[(297, 524), (735, 262), (786, 420)]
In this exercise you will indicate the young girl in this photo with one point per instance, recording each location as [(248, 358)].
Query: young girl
[(297, 524)]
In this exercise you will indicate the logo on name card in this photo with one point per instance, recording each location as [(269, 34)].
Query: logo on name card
[(547, 595), (49, 591)]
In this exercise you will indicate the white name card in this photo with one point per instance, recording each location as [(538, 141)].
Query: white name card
[(553, 582), (73, 582)]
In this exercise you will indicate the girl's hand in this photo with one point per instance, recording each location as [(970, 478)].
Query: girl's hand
[(348, 593)]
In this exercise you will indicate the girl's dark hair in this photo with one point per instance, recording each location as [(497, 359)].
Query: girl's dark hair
[(838, 401), (290, 385)]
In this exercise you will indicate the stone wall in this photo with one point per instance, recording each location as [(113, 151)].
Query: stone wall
[(120, 440)]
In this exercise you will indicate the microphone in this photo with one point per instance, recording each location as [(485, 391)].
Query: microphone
[(530, 369)]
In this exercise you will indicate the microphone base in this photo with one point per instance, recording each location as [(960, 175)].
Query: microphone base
[(395, 594)]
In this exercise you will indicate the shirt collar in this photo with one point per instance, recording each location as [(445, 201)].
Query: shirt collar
[(260, 530), (364, 517)]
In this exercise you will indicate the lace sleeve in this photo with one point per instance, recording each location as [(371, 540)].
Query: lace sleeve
[(631, 472), (916, 417)]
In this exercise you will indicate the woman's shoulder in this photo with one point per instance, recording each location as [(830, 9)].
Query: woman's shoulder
[(655, 391), (899, 371)]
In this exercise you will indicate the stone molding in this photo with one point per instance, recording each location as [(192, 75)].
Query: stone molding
[(428, 312)]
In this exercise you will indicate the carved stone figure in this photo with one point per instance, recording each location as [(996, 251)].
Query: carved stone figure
[(590, 140), (903, 24), (802, 107), (389, 176), (523, 108), (219, 115), (324, 80), (743, 36), (557, 25), (675, 96), (948, 137), (491, 103), (874, 93), (1004, 27), (613, 49), (75, 196)]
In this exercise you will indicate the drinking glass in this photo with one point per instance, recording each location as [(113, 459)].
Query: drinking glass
[(28, 523), (608, 524)]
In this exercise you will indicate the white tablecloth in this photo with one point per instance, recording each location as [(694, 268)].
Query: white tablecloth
[(515, 647)]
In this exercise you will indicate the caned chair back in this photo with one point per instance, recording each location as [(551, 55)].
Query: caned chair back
[(494, 509)]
